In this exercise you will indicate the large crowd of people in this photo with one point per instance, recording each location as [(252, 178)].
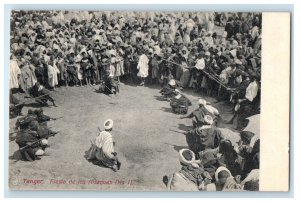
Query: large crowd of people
[(216, 54), (82, 48)]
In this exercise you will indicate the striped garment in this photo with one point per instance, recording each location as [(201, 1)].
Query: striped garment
[(104, 149)]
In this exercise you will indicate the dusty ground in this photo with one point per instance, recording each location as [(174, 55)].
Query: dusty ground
[(144, 143)]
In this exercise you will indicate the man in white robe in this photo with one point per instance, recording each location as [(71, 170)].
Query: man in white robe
[(200, 65), (27, 78), (143, 68), (52, 74), (102, 149), (246, 105), (14, 73)]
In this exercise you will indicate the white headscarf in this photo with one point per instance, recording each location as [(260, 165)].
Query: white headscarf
[(251, 91)]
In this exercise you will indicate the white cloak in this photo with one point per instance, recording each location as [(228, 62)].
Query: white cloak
[(143, 66), (14, 71)]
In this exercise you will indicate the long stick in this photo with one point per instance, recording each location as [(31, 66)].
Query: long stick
[(39, 96), (36, 142), (58, 118), (23, 129), (210, 75), (184, 133)]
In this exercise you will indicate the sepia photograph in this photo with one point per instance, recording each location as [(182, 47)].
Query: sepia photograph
[(135, 101)]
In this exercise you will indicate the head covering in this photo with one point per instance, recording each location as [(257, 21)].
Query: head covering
[(39, 152), (33, 125), (117, 26), (172, 82), (233, 52), (221, 168), (187, 157), (44, 142), (38, 111), (208, 119), (238, 62), (202, 102), (104, 61), (246, 136), (177, 91), (108, 124), (150, 50), (224, 35)]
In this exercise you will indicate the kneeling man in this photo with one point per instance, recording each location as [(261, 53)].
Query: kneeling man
[(102, 149)]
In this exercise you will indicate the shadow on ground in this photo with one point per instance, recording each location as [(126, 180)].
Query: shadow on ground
[(184, 127), (176, 147), (160, 98), (17, 156), (167, 109)]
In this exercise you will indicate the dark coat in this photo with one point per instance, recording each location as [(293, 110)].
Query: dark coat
[(200, 139)]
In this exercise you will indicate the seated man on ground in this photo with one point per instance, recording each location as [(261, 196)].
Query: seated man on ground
[(102, 148), (15, 106), (31, 144), (224, 181), (191, 177), (180, 103), (198, 115), (33, 115), (168, 91), (230, 158), (42, 95), (204, 137), (250, 150), (23, 122), (251, 182), (41, 117)]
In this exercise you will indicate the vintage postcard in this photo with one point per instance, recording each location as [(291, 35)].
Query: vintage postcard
[(149, 101)]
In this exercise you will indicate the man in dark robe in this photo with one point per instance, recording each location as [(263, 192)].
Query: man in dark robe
[(169, 90), (42, 94), (72, 72), (41, 117), (250, 151), (198, 115), (180, 103), (30, 143), (15, 107), (24, 122), (109, 86), (204, 137)]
